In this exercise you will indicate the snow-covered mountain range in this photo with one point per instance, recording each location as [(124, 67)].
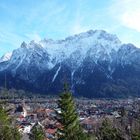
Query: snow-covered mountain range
[(94, 63)]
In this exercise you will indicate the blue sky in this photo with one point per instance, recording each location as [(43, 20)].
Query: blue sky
[(26, 20)]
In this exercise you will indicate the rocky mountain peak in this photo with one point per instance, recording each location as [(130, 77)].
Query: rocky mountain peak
[(93, 61)]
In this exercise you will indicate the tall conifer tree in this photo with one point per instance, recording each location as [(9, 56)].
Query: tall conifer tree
[(37, 133), (7, 131), (68, 117)]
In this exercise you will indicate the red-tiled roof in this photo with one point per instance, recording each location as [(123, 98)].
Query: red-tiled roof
[(51, 131)]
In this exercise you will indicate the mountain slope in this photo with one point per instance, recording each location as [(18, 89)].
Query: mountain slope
[(94, 63)]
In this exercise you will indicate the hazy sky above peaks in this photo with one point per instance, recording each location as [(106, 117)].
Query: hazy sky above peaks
[(26, 20)]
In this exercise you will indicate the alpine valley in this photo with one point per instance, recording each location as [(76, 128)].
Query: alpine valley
[(94, 63)]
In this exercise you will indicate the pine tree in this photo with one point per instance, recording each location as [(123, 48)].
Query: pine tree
[(7, 131), (37, 133), (68, 117), (136, 136), (108, 132)]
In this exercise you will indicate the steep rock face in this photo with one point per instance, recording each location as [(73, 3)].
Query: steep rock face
[(94, 63)]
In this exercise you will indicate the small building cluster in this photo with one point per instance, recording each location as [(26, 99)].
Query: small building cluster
[(42, 112)]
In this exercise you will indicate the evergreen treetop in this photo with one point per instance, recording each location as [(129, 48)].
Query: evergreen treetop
[(68, 117)]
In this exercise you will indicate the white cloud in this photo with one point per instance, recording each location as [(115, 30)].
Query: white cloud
[(9, 41), (127, 12), (132, 20), (33, 36), (10, 38), (78, 28)]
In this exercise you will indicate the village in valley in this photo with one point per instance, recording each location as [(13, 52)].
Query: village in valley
[(42, 111)]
